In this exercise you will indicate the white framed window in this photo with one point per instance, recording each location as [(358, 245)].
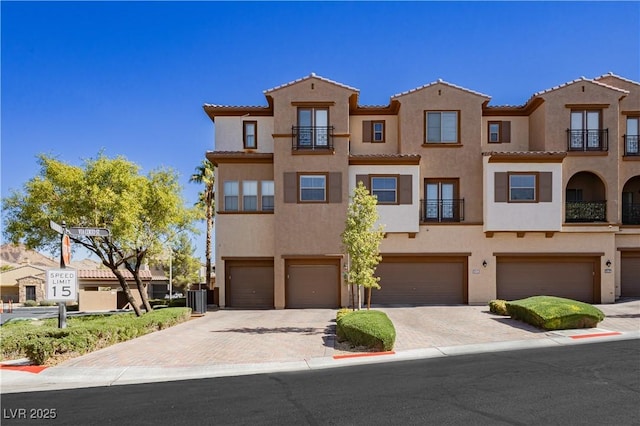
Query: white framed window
[(378, 131), (313, 188), (385, 188), (522, 187), (494, 132), (267, 194), (631, 137), (249, 195), (442, 127), (231, 192)]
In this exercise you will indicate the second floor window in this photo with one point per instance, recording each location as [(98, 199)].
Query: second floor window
[(441, 126), (585, 132), (313, 188), (385, 188), (522, 187), (249, 134), (249, 195), (267, 195), (231, 192)]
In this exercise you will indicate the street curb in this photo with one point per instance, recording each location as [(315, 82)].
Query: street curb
[(55, 378)]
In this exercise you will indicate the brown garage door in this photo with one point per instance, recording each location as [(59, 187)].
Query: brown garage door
[(313, 283), (421, 281), (630, 274), (571, 277), (249, 284)]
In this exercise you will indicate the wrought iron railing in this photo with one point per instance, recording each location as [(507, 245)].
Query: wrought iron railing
[(442, 210), (587, 140), (586, 211), (631, 147), (312, 137), (630, 214)]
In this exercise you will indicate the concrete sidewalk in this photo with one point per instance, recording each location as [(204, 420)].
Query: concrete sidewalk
[(234, 342)]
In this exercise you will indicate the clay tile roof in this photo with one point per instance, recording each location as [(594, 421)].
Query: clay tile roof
[(440, 81), (560, 86), (107, 274), (406, 159), (312, 75), (610, 74)]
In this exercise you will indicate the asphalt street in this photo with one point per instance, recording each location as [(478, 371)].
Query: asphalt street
[(596, 383)]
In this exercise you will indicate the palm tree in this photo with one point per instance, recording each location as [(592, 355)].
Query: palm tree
[(204, 175)]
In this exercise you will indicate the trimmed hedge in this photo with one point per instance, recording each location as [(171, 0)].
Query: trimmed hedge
[(372, 329), (498, 307), (43, 343), (555, 313)]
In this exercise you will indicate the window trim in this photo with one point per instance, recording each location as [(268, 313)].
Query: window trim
[(499, 124), (262, 195), (396, 191), (255, 134), (373, 131), (425, 129), (458, 208), (536, 189), (299, 177)]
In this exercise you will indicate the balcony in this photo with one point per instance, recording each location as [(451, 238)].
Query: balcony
[(630, 214), (586, 211), (587, 140), (631, 145), (312, 138), (442, 210)]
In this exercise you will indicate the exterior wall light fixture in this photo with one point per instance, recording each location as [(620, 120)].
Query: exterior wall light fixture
[(484, 264), (608, 263)]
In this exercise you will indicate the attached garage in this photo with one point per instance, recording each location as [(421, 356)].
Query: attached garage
[(249, 284), (312, 283), (573, 277), (630, 274), (421, 280)]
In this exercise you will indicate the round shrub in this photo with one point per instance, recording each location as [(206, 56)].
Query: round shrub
[(498, 307), (372, 329), (30, 303)]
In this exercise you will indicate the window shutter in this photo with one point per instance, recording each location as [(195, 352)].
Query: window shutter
[(405, 191), (290, 187), (505, 136), (364, 179), (366, 131), (335, 187), (501, 187), (546, 187)]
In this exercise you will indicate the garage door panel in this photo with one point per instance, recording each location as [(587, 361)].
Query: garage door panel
[(630, 274), (421, 282), (250, 286), (312, 285), (568, 278)]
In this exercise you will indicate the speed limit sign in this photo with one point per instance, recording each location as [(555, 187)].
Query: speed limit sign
[(62, 285)]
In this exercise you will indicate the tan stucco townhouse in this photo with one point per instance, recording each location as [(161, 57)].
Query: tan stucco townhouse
[(478, 201)]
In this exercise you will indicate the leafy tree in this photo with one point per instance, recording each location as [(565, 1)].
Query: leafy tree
[(141, 212), (184, 266), (205, 175), (362, 241)]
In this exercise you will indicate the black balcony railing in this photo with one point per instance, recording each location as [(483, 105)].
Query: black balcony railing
[(312, 137), (630, 214), (587, 140), (442, 210), (586, 211), (631, 145)]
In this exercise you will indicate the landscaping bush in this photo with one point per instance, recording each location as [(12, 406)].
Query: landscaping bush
[(498, 307), (47, 303), (372, 329), (43, 343), (342, 312), (158, 302), (555, 313), (180, 302), (30, 303)]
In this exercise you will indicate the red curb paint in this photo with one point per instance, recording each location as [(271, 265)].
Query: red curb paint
[(35, 369), (363, 355), (584, 336)]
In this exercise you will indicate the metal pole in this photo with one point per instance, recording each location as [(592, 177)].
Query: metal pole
[(170, 276), (62, 307)]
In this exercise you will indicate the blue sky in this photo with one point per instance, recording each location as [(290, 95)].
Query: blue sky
[(131, 78)]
